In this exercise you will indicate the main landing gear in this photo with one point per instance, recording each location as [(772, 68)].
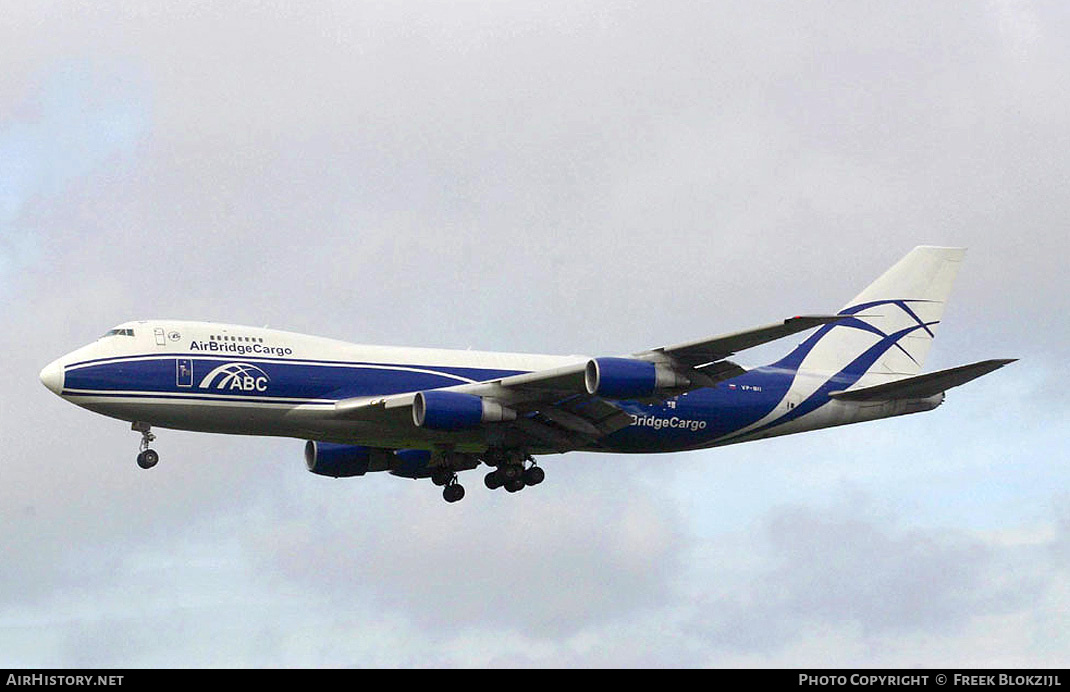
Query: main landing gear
[(452, 491), (513, 476), (514, 470), (148, 457)]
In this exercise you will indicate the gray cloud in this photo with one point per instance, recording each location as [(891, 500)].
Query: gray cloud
[(548, 564), (828, 570)]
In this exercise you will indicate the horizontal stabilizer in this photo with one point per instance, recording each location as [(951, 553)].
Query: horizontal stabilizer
[(922, 386)]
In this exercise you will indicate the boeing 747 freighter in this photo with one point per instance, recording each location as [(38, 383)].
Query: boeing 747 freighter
[(433, 413)]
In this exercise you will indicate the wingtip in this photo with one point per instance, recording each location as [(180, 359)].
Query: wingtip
[(951, 248), (817, 319)]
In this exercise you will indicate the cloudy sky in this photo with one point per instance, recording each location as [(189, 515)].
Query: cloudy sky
[(553, 177)]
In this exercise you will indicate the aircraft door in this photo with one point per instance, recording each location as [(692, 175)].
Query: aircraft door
[(184, 372)]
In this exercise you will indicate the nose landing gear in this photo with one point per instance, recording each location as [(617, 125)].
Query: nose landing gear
[(147, 458)]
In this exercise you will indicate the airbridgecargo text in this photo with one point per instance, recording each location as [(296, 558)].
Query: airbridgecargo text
[(240, 349), (674, 422)]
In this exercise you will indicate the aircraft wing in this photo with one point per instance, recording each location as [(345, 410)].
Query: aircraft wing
[(704, 351), (552, 408), (571, 406)]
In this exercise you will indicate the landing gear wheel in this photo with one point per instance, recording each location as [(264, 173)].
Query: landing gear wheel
[(148, 458), (493, 480), (534, 476), (442, 476), (515, 485), (453, 492)]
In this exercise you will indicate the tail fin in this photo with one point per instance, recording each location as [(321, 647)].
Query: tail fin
[(892, 324)]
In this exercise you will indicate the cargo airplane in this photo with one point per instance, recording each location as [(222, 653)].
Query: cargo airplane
[(432, 413)]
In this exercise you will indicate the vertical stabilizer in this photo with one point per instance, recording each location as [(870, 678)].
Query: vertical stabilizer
[(892, 325)]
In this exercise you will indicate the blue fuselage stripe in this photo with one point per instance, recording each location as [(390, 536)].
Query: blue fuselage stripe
[(262, 379)]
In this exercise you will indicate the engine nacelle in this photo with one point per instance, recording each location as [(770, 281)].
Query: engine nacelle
[(628, 378), (438, 410), (337, 461), (411, 463), (344, 461)]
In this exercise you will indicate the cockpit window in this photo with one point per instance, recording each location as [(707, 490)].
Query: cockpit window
[(119, 332)]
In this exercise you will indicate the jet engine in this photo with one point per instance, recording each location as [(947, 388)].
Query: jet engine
[(338, 461), (438, 410), (628, 378), (344, 461)]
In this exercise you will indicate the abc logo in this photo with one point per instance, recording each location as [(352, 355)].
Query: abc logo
[(243, 377)]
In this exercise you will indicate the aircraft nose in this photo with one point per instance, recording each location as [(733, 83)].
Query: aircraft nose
[(52, 376)]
